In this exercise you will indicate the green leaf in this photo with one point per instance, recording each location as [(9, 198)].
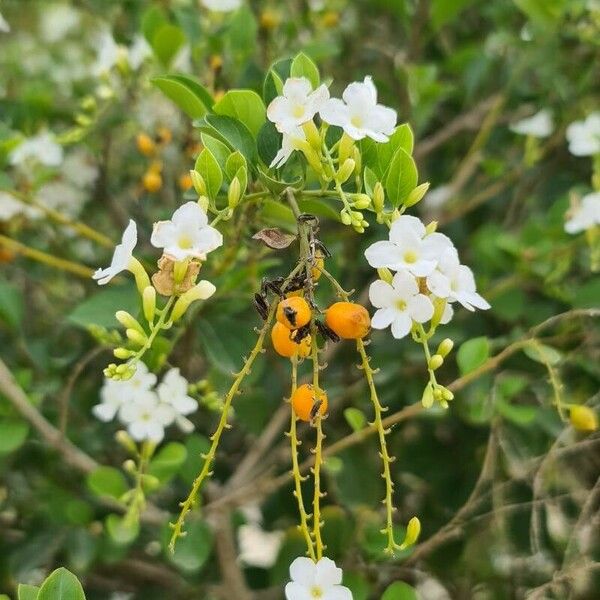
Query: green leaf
[(544, 12), (269, 142), (303, 66), (403, 138), (378, 157), (107, 481), (121, 530), (235, 162), (402, 177), (519, 414), (472, 354), (61, 585), (370, 180), (355, 418), (166, 42), (185, 91), (400, 591), (542, 353), (152, 20), (357, 584), (235, 134), (277, 186), (318, 207), (192, 551), (27, 592), (101, 307), (277, 214), (220, 151), (11, 304), (208, 167), (273, 84), (13, 433), (168, 461), (444, 11), (243, 33), (244, 105)]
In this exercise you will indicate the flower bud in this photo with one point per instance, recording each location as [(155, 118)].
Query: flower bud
[(361, 201), (136, 337), (413, 530), (203, 203), (431, 227), (583, 418), (198, 182), (123, 353), (385, 274), (447, 394), (149, 303), (150, 482), (435, 362), (345, 148), (427, 398), (378, 197), (357, 156), (346, 170), (142, 281), (201, 291), (312, 134), (445, 347), (233, 195), (125, 440), (128, 321), (345, 217), (416, 195), (129, 466)]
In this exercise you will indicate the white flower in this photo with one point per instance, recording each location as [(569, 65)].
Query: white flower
[(187, 234), (316, 580), (584, 136), (288, 145), (222, 5), (41, 148), (122, 256), (359, 114), (116, 394), (399, 304), (586, 215), (57, 20), (9, 206), (147, 418), (79, 170), (409, 247), (258, 548), (298, 105), (108, 53), (4, 26), (173, 391), (540, 125), (138, 52), (62, 197), (455, 282)]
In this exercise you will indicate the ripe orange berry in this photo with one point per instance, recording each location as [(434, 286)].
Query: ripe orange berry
[(285, 345), (145, 144), (293, 312), (349, 320), (185, 182), (152, 181), (306, 405)]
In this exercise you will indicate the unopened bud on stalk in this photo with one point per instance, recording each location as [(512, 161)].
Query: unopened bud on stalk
[(345, 148), (361, 201), (378, 197), (129, 466), (346, 170), (427, 398), (136, 337), (149, 303), (204, 203), (345, 217), (431, 228), (413, 530), (445, 347), (202, 291), (234, 193), (123, 353), (128, 321), (198, 182), (385, 274), (312, 134), (416, 195), (435, 362), (125, 440), (583, 418), (142, 281)]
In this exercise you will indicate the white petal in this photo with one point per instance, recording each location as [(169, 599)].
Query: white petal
[(335, 112), (338, 592), (477, 301), (382, 119), (297, 89), (438, 284), (317, 99), (383, 254), (406, 225), (279, 110), (420, 308), (137, 431), (154, 431), (210, 239), (383, 318), (361, 96), (327, 573), (184, 424), (381, 294), (164, 234), (422, 268), (303, 571), (401, 326), (185, 405), (447, 314), (191, 215), (296, 591), (105, 412), (405, 284)]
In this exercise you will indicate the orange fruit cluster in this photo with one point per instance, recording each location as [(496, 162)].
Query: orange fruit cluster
[(350, 321), (307, 404)]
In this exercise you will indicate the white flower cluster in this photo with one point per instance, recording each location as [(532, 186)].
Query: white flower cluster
[(584, 136), (187, 235), (540, 125), (584, 216), (109, 53), (144, 409), (316, 580), (428, 275), (357, 113)]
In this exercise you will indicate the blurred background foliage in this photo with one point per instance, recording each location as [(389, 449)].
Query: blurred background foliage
[(508, 495)]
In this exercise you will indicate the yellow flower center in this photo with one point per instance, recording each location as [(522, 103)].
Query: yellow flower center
[(401, 305), (185, 242), (316, 592), (410, 256), (357, 121), (298, 111)]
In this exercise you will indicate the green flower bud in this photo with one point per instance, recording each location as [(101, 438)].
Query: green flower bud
[(378, 197), (345, 217), (142, 281), (129, 466), (413, 530), (312, 134), (361, 201), (202, 291), (583, 418), (435, 362), (135, 337), (198, 182), (346, 170), (125, 440), (128, 321), (427, 398), (447, 394), (385, 274), (445, 347), (204, 203), (345, 148), (123, 353), (149, 303), (431, 227), (416, 195), (234, 193)]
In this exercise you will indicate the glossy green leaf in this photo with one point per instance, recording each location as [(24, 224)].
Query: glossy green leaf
[(355, 418), (402, 177), (168, 461), (152, 20), (27, 592), (100, 308), (220, 150), (166, 42), (472, 354), (244, 105), (400, 591), (303, 66), (185, 91), (13, 433), (107, 481), (269, 142), (542, 353), (235, 162), (61, 585), (192, 551), (122, 531), (235, 134), (209, 168)]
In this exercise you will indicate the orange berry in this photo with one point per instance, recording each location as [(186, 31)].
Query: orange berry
[(285, 345), (185, 182), (349, 320), (306, 404), (152, 181), (293, 312), (295, 293), (145, 144), (6, 255)]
